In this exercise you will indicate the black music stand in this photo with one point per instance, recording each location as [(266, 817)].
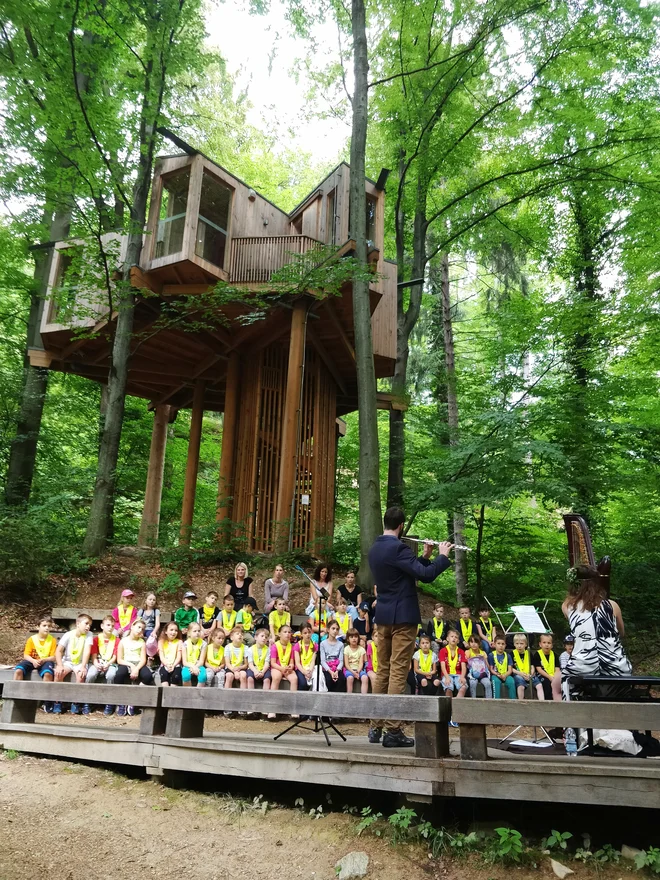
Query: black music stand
[(320, 722)]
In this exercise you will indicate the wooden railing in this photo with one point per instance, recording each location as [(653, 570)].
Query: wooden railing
[(254, 259)]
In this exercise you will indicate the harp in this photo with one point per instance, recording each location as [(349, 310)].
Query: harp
[(580, 551)]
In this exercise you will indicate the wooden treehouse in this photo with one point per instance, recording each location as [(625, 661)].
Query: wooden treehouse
[(281, 382)]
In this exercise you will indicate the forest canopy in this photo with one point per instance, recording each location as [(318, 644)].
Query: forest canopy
[(524, 146)]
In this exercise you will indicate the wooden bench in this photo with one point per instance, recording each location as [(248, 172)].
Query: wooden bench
[(474, 716), (21, 700), (186, 708), (66, 617)]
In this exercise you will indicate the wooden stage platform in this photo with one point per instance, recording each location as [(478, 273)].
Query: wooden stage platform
[(171, 738)]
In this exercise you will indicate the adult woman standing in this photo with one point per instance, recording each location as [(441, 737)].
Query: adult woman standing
[(275, 587), (239, 585), (597, 626)]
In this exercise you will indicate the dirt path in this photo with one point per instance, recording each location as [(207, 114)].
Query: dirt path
[(66, 821)]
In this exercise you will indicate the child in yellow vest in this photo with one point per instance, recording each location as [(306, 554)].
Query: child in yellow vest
[(169, 653), (453, 668), (523, 671), (209, 613), (501, 669), (215, 658), (486, 629), (38, 654), (132, 661), (124, 614), (547, 667), (304, 656), (70, 656), (259, 660), (245, 619), (193, 655), (282, 664), (466, 627), (478, 671), (236, 662), (425, 666), (343, 618), (277, 619), (372, 658), (102, 657), (227, 618)]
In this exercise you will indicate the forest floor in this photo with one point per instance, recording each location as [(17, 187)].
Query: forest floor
[(102, 585), (67, 821)]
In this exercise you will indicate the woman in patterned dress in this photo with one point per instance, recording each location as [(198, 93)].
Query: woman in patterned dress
[(597, 626)]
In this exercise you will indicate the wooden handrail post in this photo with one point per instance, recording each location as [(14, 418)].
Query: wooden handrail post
[(154, 489), (226, 477), (474, 746), (290, 424), (192, 463)]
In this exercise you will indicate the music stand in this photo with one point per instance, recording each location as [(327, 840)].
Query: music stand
[(320, 723)]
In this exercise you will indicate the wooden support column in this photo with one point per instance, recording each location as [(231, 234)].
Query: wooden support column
[(152, 494), (192, 463), (292, 414), (226, 478)]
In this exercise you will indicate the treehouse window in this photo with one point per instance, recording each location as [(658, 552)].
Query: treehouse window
[(172, 214), (330, 218), (371, 221), (213, 221), (67, 284)]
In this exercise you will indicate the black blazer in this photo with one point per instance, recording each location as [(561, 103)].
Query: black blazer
[(395, 569)]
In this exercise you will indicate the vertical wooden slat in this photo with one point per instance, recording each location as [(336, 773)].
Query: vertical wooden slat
[(154, 489), (229, 430), (192, 462)]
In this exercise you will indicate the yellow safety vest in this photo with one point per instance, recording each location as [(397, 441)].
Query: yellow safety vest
[(279, 620), (232, 655), (124, 615), (438, 628), (425, 661), (374, 657), (466, 627), (194, 650), (306, 654), (246, 621), (285, 657), (228, 620), (259, 657), (487, 627), (105, 651), (44, 649), (77, 646), (344, 624), (215, 656), (207, 613), (501, 666), (170, 648), (522, 663), (452, 662), (548, 663)]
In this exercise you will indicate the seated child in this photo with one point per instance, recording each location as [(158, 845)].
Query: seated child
[(343, 618), (565, 656), (355, 658), (258, 658), (193, 655), (103, 656), (151, 615), (246, 620), (124, 614), (453, 668), (332, 659), (438, 628), (545, 663), (466, 627), (522, 667), (362, 623), (501, 669), (486, 629), (169, 653), (39, 654), (70, 656), (425, 664), (228, 615), (304, 656), (208, 614), (282, 664), (215, 658), (132, 662), (372, 658), (477, 663), (185, 615), (277, 619), (236, 662), (319, 628)]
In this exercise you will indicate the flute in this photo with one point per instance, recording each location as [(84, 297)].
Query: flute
[(437, 543)]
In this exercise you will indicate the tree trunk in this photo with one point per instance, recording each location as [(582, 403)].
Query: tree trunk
[(369, 477), (460, 568), (478, 587)]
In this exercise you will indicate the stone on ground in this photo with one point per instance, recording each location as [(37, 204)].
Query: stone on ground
[(560, 870), (629, 852), (354, 864)]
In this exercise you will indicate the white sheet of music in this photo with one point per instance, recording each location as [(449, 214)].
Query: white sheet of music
[(528, 618)]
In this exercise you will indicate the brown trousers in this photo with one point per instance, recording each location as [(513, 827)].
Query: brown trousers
[(395, 645)]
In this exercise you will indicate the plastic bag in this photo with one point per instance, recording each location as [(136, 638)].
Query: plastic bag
[(152, 645), (318, 683)]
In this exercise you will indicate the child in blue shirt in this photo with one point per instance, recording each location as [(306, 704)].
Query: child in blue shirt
[(501, 668)]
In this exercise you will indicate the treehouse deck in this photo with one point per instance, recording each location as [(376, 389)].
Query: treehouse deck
[(171, 739)]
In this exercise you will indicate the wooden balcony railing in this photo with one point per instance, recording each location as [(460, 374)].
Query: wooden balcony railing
[(254, 259)]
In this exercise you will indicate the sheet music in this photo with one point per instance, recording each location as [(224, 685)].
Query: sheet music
[(528, 618)]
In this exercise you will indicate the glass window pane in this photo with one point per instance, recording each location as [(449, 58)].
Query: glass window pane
[(371, 220), (67, 285), (172, 214), (213, 221)]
